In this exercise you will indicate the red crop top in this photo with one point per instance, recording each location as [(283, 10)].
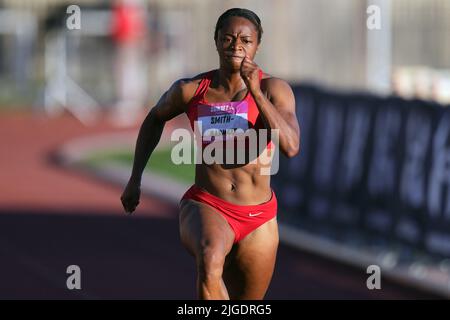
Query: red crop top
[(222, 118)]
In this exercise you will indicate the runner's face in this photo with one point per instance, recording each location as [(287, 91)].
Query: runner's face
[(237, 38)]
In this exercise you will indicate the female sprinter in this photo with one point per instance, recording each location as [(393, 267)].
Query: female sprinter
[(228, 217)]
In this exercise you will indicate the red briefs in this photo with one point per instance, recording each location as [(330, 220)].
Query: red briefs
[(242, 219)]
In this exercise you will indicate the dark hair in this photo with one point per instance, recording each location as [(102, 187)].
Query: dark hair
[(239, 12)]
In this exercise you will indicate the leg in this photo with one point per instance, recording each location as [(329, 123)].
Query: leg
[(209, 238), (250, 265)]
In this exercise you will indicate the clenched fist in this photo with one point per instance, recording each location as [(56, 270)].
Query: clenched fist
[(130, 196), (250, 74)]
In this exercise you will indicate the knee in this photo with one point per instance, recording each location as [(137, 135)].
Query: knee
[(210, 261)]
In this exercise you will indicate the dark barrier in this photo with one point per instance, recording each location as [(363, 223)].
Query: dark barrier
[(371, 170)]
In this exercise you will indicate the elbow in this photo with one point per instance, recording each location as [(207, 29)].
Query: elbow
[(292, 150), (293, 145)]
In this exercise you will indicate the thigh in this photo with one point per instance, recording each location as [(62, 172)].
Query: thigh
[(201, 227), (250, 265)]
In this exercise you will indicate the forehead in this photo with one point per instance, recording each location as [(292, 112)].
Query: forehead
[(238, 25)]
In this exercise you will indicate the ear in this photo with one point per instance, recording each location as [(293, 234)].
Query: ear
[(215, 44)]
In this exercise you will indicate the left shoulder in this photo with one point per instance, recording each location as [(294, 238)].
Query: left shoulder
[(273, 86)]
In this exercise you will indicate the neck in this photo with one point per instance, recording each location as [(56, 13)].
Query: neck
[(230, 79)]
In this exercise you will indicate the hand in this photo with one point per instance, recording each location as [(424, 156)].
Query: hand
[(250, 74), (130, 196)]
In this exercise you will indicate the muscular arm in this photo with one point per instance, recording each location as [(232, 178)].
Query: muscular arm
[(169, 106), (278, 112)]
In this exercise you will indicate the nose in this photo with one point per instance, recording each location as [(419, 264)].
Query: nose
[(236, 44)]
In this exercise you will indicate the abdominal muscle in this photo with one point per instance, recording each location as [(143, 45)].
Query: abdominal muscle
[(238, 184)]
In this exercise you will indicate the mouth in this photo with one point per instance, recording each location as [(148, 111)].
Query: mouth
[(234, 57)]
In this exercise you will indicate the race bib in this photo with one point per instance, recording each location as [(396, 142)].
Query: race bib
[(222, 119)]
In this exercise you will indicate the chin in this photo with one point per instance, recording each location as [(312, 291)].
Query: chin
[(232, 66)]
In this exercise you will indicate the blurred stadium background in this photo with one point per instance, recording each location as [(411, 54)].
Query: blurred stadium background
[(371, 185)]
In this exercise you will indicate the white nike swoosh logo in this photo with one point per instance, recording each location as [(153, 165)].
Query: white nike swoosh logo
[(255, 214)]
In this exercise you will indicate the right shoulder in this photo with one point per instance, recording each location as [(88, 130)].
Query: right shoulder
[(185, 88), (175, 100)]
